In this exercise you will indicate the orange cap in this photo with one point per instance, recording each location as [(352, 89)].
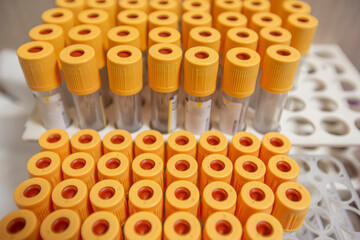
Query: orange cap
[(281, 168), (181, 142), (76, 6), (274, 143), (110, 6), (211, 142), (241, 37), (303, 28), (193, 19), (150, 141), (200, 71), (240, 72), (137, 19), (61, 224), (182, 225), (163, 19), (34, 194), (20, 224), (221, 6), (247, 168), (141, 5), (119, 141), (279, 68), (101, 225), (182, 196), (89, 141), (80, 69), (195, 5), (250, 7), (222, 226), (123, 35), (206, 37), (264, 19), (148, 166), (276, 5), (55, 140), (243, 143), (143, 226), (181, 167), (39, 65), (262, 226), (292, 202), (164, 35), (293, 6), (164, 5), (164, 67), (124, 64)]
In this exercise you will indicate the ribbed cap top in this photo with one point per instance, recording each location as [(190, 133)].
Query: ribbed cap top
[(59, 16), (221, 6), (241, 37), (206, 37), (293, 6), (164, 35), (264, 19), (76, 6), (123, 35), (250, 7), (163, 19), (195, 5), (110, 6)]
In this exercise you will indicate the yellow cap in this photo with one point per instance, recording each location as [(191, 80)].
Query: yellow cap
[(274, 143), (182, 225), (164, 67), (292, 202), (211, 142), (206, 37), (200, 71), (264, 19), (222, 226), (110, 6), (148, 166), (164, 35), (124, 64), (250, 7), (39, 65), (76, 6), (101, 225), (141, 5), (279, 68), (241, 37), (55, 140), (119, 141), (221, 6), (243, 143), (181, 142), (303, 28), (61, 224), (181, 167), (143, 226), (45, 165), (293, 6), (137, 19), (226, 21), (150, 141), (89, 141), (20, 224), (80, 69), (240, 72), (263, 226), (165, 5), (193, 19), (123, 35), (34, 194), (163, 19), (276, 5), (195, 5)]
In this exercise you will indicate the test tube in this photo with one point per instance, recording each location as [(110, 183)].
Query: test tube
[(211, 142), (250, 7), (76, 6), (206, 37), (164, 5), (141, 5), (164, 80), (148, 166), (222, 226), (143, 226), (264, 19), (150, 141), (163, 19), (181, 142), (110, 6), (221, 6), (182, 225), (56, 140), (273, 143), (83, 81), (181, 167), (195, 5), (263, 225), (87, 141), (293, 6), (243, 143), (164, 35), (240, 72), (123, 35), (119, 141), (200, 72), (41, 71), (275, 84), (125, 80), (101, 225)]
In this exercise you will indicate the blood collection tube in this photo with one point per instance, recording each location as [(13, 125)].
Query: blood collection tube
[(243, 143), (119, 141), (164, 5), (238, 84), (215, 167), (276, 6), (217, 197), (182, 196), (164, 66), (200, 72), (164, 35), (141, 5), (293, 6), (292, 202), (250, 7), (211, 142), (62, 224), (222, 225), (76, 6), (206, 37), (116, 166), (181, 167), (146, 195), (46, 165), (181, 142), (148, 166), (241, 37), (124, 64), (281, 168), (56, 140), (87, 141), (20, 224), (110, 6), (195, 5), (34, 194), (81, 166), (182, 225), (150, 141), (39, 64), (221, 6), (101, 225), (143, 226), (263, 226), (274, 86), (163, 19), (264, 19), (247, 168), (123, 35), (272, 144), (72, 194)]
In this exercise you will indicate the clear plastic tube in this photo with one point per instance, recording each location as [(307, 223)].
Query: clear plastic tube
[(105, 91), (164, 111), (255, 96), (298, 73), (128, 112)]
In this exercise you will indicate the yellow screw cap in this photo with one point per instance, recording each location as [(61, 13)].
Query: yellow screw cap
[(205, 37), (163, 19), (76, 6), (279, 68), (243, 143), (211, 142), (181, 142), (141, 5), (101, 225), (164, 67), (124, 63), (222, 226), (164, 5), (250, 7), (303, 28), (143, 226), (150, 141), (274, 143), (80, 69), (293, 6), (39, 65), (119, 141), (137, 19), (264, 19), (123, 35), (181, 167), (195, 5), (26, 219), (276, 6), (148, 166), (164, 35), (182, 225), (262, 226), (110, 6), (241, 37), (55, 140), (221, 6), (61, 224), (88, 141)]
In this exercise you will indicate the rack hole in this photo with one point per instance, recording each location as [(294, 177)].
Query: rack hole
[(78, 163), (293, 195), (69, 192), (217, 165), (294, 104), (43, 163), (202, 55), (16, 225), (335, 126), (147, 164), (145, 193), (264, 228), (243, 56), (182, 140), (313, 84), (123, 33), (223, 227), (165, 51), (328, 167), (117, 139), (354, 104), (300, 126), (324, 104), (213, 140), (219, 194), (257, 194), (100, 227), (32, 191), (113, 163), (182, 193), (106, 193), (182, 165), (250, 166), (347, 86), (77, 53), (53, 138), (142, 227), (60, 225), (283, 166), (182, 227)]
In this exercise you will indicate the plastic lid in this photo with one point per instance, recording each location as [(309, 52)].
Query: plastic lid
[(264, 19), (163, 19), (110, 6), (274, 143), (143, 226), (76, 6), (56, 140), (141, 5), (293, 6), (206, 37), (101, 225), (168, 5), (221, 6), (123, 35), (19, 224), (222, 225), (182, 224), (250, 7), (60, 16), (164, 35), (241, 37), (276, 5), (195, 5), (260, 224)]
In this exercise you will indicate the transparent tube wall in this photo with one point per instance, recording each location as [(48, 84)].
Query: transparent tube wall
[(255, 96), (298, 73), (128, 112), (164, 111), (105, 90), (90, 110), (268, 111)]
